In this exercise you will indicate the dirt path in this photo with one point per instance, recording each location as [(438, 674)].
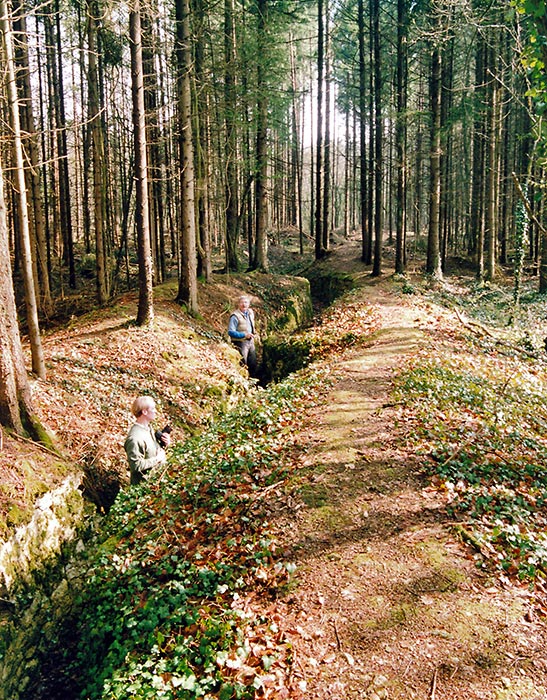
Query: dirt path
[(385, 602)]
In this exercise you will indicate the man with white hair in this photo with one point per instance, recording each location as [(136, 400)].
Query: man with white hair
[(141, 445), (241, 329)]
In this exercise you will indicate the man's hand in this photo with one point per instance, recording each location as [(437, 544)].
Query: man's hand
[(166, 439)]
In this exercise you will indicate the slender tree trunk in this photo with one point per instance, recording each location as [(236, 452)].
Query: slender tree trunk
[(98, 156), (85, 139), (319, 251), (38, 220), (347, 161), (38, 364), (16, 410), (492, 162), (205, 267), (326, 231), (261, 254), (188, 286), (433, 264), (62, 150), (378, 142), (296, 150), (400, 135), (371, 170), (230, 117), (156, 211), (447, 79), (145, 313), (476, 238), (366, 248)]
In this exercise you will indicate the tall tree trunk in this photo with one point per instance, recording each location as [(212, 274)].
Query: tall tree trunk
[(433, 264), (85, 139), (145, 313), (37, 219), (98, 156), (400, 134), (38, 364), (205, 267), (156, 212), (378, 141), (319, 250), (188, 285), (326, 230), (62, 150), (492, 160), (230, 119), (347, 162), (50, 154), (296, 150), (447, 81), (16, 411), (366, 248), (261, 240), (476, 238)]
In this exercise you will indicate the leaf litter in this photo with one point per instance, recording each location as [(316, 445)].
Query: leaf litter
[(330, 567)]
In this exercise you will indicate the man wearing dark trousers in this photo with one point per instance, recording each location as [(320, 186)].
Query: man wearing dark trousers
[(241, 329)]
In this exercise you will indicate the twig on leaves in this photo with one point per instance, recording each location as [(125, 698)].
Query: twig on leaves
[(474, 324), (338, 643), (471, 325), (35, 444), (267, 489), (434, 685)]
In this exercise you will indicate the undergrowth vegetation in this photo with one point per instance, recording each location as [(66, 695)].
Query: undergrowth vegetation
[(170, 607), (481, 420)]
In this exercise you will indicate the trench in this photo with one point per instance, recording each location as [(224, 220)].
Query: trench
[(285, 353), (38, 594)]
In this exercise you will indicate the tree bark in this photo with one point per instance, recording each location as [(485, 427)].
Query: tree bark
[(400, 134), (16, 411), (378, 141), (326, 229), (62, 151), (319, 250), (366, 250), (98, 156), (188, 287), (433, 264), (38, 364), (261, 202), (230, 112), (36, 210), (205, 266), (145, 313)]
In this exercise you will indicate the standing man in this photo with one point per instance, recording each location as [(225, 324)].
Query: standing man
[(141, 446), (241, 329)]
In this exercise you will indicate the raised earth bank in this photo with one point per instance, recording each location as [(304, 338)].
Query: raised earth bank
[(103, 359)]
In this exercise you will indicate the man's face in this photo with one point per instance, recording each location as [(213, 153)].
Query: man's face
[(150, 411), (243, 304)]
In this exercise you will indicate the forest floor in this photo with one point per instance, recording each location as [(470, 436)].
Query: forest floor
[(386, 601)]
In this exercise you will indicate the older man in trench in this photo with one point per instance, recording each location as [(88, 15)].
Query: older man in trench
[(241, 329)]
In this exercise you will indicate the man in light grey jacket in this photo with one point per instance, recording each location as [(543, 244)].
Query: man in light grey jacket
[(141, 446), (241, 329)]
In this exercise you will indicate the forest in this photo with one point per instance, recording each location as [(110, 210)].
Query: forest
[(373, 526)]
